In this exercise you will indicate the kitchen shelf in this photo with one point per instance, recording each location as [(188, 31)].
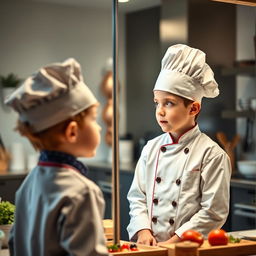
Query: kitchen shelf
[(237, 114), (243, 71), (240, 2)]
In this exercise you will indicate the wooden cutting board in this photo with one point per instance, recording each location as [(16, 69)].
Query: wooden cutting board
[(245, 247), (143, 250)]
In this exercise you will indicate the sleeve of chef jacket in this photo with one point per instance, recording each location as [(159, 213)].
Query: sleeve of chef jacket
[(81, 226), (137, 198), (215, 184)]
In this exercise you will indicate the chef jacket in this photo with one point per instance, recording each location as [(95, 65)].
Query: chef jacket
[(58, 212), (179, 186)]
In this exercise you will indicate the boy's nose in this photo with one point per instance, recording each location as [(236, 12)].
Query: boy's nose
[(160, 111)]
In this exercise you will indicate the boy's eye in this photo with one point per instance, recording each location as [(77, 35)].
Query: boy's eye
[(169, 104), (156, 104)]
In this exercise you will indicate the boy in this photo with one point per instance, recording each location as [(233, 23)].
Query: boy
[(58, 210), (181, 180)]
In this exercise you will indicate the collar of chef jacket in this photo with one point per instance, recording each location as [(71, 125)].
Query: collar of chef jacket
[(57, 157), (187, 135)]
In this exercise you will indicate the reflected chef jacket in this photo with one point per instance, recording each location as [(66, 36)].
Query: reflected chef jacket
[(58, 212), (179, 186)]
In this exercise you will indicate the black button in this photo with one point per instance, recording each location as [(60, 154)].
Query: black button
[(158, 179), (171, 221), (155, 201), (163, 149), (178, 181), (186, 150), (154, 219), (174, 204)]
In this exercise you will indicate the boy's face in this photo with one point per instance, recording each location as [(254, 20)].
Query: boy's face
[(171, 113), (89, 136)]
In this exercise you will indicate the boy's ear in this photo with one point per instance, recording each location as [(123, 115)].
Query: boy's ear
[(71, 132), (195, 108)]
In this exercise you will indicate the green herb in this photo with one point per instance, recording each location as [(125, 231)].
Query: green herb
[(9, 81), (233, 240), (7, 210)]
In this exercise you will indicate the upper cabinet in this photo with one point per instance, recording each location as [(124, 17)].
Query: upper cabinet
[(248, 70)]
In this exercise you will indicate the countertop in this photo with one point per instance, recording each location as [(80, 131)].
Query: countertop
[(5, 252), (236, 180)]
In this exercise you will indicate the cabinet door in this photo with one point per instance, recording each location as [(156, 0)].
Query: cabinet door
[(243, 207), (102, 177), (125, 183), (8, 188)]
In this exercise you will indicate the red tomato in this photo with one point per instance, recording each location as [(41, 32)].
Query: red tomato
[(218, 237), (125, 246), (193, 236)]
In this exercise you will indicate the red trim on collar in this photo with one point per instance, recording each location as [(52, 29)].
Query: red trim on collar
[(52, 164), (180, 135)]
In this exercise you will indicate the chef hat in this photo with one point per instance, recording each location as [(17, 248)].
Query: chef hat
[(53, 94), (184, 72)]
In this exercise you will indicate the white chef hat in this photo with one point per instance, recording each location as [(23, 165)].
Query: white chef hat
[(53, 94), (184, 72)]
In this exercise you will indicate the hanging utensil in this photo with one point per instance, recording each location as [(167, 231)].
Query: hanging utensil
[(248, 140), (229, 146), (1, 143)]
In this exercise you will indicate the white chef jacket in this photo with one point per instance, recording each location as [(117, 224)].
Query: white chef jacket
[(179, 186), (58, 212)]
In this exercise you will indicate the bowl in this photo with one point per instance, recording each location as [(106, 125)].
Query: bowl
[(247, 168)]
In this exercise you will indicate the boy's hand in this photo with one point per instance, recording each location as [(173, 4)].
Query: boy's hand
[(145, 237), (173, 239)]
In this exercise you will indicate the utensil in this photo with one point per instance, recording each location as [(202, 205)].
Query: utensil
[(4, 157), (247, 168), (248, 140), (229, 146), (1, 143), (249, 234)]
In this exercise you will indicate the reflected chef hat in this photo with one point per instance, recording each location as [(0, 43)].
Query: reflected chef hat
[(53, 94), (184, 72)]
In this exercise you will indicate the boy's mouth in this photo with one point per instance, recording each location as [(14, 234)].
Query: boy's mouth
[(163, 122)]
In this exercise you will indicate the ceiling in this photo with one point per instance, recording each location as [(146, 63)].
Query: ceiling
[(132, 5)]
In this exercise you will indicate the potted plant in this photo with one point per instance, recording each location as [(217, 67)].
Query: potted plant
[(9, 83), (7, 210)]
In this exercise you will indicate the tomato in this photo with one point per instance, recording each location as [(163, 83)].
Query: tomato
[(218, 237), (125, 246), (193, 236)]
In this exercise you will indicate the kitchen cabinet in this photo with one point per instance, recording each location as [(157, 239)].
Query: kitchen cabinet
[(101, 174), (243, 204), (247, 70), (242, 195), (9, 184)]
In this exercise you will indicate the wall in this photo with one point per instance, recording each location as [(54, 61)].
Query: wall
[(212, 28), (197, 20), (143, 65), (245, 85), (34, 34)]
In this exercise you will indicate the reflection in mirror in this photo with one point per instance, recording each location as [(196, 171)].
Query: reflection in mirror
[(37, 32)]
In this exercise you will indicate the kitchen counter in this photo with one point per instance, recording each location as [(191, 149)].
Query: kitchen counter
[(5, 252), (243, 182), (124, 167), (236, 180), (13, 175)]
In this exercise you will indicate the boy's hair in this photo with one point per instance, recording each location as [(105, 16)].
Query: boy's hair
[(49, 139)]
